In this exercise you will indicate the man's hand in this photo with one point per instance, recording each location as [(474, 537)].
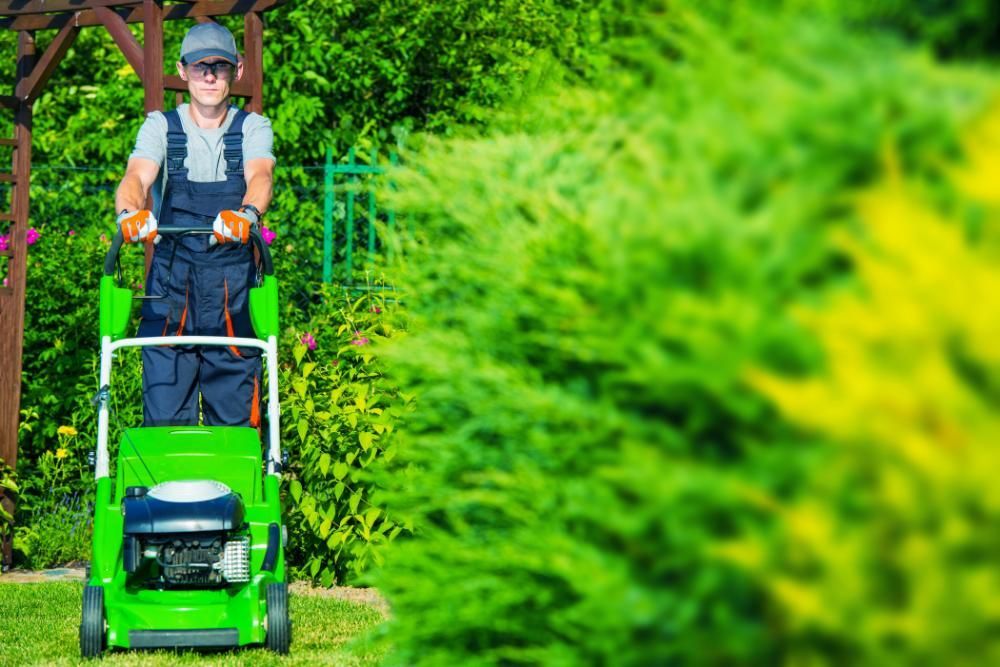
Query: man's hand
[(138, 226), (232, 226)]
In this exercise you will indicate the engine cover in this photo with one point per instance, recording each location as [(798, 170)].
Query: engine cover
[(182, 507)]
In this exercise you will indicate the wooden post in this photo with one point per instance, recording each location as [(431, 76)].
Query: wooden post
[(253, 54), (12, 304), (152, 76), (152, 54)]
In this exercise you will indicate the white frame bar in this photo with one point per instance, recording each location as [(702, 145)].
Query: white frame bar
[(270, 349)]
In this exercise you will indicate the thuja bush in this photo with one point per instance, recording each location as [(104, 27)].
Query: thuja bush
[(590, 285)]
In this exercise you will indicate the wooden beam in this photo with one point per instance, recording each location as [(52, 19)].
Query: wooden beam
[(28, 89), (133, 13), (152, 54), (123, 37), (23, 7)]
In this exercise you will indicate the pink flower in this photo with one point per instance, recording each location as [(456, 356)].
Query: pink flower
[(375, 309), (359, 339), (308, 340), (267, 235), (71, 232), (104, 238), (4, 242), (31, 238), (6, 281)]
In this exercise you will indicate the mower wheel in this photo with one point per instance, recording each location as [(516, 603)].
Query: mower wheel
[(92, 623), (279, 626)]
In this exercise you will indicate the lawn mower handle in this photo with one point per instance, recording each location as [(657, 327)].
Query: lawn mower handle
[(255, 238)]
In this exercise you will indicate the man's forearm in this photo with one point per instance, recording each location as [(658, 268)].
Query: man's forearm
[(130, 195), (259, 192)]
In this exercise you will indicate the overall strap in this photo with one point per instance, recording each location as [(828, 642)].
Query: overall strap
[(233, 140), (176, 143)]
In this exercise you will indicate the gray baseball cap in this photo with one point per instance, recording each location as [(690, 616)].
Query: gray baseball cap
[(208, 40)]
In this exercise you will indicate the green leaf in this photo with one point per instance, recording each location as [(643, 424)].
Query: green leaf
[(308, 368), (299, 352), (324, 464), (338, 490), (303, 428), (324, 528), (340, 469), (296, 490), (300, 386), (366, 439), (371, 516), (354, 501), (314, 566)]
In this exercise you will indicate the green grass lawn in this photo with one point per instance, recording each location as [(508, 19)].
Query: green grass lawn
[(39, 625)]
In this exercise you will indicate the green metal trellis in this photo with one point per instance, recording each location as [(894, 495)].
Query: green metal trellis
[(352, 173)]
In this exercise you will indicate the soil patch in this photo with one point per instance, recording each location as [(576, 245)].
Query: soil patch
[(32, 577), (368, 596)]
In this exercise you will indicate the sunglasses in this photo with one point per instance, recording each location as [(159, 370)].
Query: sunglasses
[(220, 70)]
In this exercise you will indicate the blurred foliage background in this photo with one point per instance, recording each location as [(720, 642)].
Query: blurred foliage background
[(688, 359)]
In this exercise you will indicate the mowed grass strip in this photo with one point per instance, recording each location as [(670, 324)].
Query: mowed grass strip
[(39, 625)]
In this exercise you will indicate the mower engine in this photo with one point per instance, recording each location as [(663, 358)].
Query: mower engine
[(185, 534)]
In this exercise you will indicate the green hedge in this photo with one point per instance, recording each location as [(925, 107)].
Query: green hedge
[(592, 283)]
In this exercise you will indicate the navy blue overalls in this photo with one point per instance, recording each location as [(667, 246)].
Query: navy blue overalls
[(203, 290)]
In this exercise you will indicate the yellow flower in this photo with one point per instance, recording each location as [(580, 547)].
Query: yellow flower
[(66, 430), (61, 453)]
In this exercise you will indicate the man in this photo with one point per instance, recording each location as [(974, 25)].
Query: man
[(213, 165)]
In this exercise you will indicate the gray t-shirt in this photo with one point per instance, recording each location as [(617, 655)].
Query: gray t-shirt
[(205, 162)]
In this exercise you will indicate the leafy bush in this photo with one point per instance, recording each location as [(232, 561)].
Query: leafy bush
[(338, 416), (591, 283), (60, 509)]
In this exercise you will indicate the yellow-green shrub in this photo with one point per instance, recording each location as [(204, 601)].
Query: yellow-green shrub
[(895, 536)]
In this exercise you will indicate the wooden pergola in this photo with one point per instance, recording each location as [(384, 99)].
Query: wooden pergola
[(34, 69)]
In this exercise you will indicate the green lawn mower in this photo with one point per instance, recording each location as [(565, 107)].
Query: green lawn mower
[(188, 547)]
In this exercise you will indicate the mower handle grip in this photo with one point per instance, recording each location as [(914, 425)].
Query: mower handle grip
[(267, 266)]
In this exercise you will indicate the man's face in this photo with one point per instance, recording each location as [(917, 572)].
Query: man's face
[(209, 80)]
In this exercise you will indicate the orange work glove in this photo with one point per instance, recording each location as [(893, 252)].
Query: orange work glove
[(232, 226), (138, 226)]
